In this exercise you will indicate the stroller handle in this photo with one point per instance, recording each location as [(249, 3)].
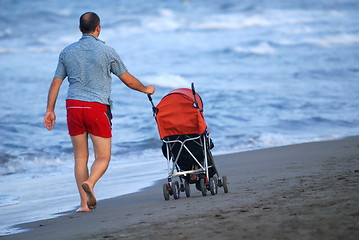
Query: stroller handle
[(154, 109), (149, 97), (194, 97), (193, 90)]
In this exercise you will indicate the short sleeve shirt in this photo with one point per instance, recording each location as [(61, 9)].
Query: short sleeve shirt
[(88, 64)]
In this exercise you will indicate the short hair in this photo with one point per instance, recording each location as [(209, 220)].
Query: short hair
[(88, 22)]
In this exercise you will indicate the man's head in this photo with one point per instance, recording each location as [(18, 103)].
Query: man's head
[(89, 23)]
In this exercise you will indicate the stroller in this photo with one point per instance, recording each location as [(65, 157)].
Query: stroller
[(186, 144)]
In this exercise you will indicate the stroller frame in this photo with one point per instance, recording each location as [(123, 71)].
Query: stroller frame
[(203, 167), (203, 173)]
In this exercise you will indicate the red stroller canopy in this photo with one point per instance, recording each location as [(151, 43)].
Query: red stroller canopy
[(178, 115)]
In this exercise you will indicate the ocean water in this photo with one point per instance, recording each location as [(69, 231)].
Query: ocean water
[(270, 73)]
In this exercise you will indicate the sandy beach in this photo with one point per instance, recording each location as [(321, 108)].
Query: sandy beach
[(303, 191)]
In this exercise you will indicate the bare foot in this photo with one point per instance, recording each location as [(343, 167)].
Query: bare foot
[(91, 199), (83, 209)]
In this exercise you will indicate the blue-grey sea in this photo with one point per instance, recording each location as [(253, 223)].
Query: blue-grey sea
[(270, 73)]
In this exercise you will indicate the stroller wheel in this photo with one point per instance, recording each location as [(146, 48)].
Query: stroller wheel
[(166, 193), (198, 186), (216, 183), (225, 184), (175, 190), (187, 188), (203, 187), (220, 183), (182, 187), (213, 186)]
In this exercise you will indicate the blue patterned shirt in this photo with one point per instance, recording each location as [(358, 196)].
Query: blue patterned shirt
[(88, 64)]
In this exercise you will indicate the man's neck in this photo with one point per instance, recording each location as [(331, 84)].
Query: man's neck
[(93, 34)]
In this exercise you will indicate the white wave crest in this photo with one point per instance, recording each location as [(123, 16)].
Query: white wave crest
[(271, 140), (261, 49), (43, 49), (229, 22), (35, 165), (5, 33), (167, 80), (6, 200), (166, 12), (166, 21), (240, 21), (7, 50), (328, 41), (343, 39)]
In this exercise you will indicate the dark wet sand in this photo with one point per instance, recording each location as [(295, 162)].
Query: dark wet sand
[(304, 191)]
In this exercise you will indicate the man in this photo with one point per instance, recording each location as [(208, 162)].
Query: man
[(88, 64)]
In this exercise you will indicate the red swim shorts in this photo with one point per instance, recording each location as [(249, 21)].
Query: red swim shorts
[(92, 117)]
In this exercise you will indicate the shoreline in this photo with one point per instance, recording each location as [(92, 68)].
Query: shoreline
[(301, 191)]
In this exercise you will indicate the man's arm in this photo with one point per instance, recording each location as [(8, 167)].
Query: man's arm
[(133, 83), (50, 117)]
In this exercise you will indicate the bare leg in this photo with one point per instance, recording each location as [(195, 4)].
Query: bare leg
[(81, 154), (102, 149)]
